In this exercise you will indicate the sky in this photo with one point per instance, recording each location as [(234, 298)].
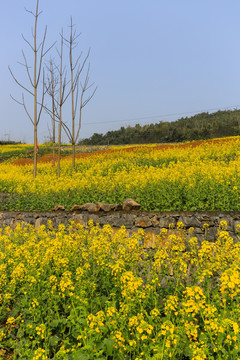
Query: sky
[(151, 60)]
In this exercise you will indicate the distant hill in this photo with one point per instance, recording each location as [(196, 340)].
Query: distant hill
[(9, 142), (197, 127)]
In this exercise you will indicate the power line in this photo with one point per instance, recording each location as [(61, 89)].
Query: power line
[(159, 116)]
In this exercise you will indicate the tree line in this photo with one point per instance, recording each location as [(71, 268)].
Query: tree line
[(9, 142), (198, 127)]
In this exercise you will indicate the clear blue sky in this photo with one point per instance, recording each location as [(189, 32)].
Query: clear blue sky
[(149, 59)]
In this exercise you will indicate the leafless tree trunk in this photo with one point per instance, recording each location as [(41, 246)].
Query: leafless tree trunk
[(78, 99), (58, 97), (34, 79), (78, 91), (61, 101), (51, 85)]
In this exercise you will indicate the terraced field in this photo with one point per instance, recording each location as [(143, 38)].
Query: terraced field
[(201, 175), (84, 293)]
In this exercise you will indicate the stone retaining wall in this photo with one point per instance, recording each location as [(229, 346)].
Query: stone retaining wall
[(132, 220)]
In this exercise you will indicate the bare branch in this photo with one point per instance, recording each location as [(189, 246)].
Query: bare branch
[(25, 108), (39, 47), (27, 68), (71, 42), (41, 56), (30, 12), (49, 49), (28, 42), (77, 61), (67, 131), (22, 103), (45, 90), (43, 53), (35, 78), (89, 98), (65, 83), (83, 63), (17, 101), (76, 99), (64, 125), (22, 64), (19, 82)]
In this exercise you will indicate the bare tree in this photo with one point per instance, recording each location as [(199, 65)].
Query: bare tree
[(79, 97), (78, 91), (34, 79), (62, 98), (52, 82), (58, 96)]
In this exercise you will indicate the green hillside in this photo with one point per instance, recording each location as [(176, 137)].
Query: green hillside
[(200, 126)]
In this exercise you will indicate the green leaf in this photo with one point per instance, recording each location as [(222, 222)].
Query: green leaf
[(78, 355), (109, 345), (56, 322), (20, 333), (54, 340)]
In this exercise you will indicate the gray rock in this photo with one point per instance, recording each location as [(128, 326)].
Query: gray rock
[(203, 217), (127, 220), (198, 230), (164, 222), (189, 221), (93, 217), (211, 234), (108, 219)]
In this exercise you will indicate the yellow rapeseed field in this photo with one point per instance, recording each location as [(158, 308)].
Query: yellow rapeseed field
[(195, 176), (75, 293)]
